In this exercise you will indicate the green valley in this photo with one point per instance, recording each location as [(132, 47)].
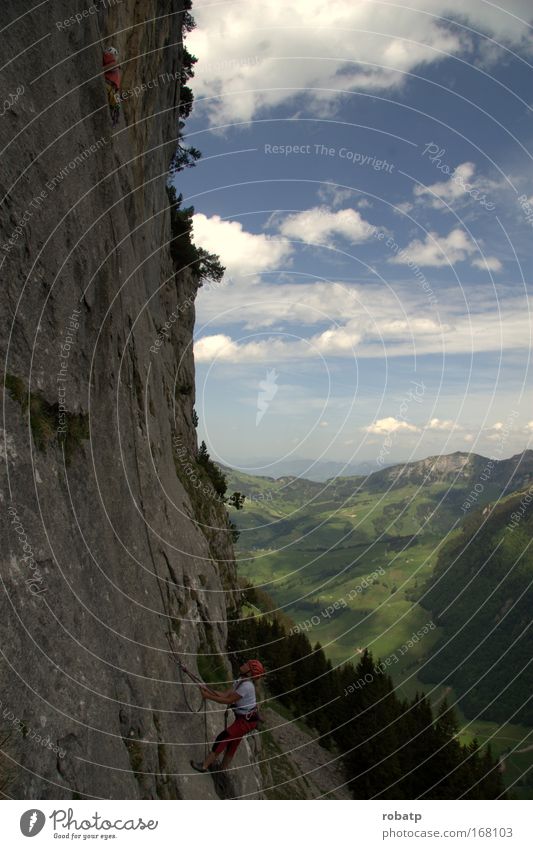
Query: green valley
[(359, 562)]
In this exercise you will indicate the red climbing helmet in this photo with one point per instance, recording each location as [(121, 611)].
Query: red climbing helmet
[(256, 668)]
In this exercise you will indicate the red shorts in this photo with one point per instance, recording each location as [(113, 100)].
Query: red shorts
[(230, 738)]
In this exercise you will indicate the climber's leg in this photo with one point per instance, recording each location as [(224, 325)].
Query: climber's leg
[(236, 732), (227, 740)]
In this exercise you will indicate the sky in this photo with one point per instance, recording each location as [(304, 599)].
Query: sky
[(366, 180)]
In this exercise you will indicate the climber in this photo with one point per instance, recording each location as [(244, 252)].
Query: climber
[(243, 700), (113, 80)]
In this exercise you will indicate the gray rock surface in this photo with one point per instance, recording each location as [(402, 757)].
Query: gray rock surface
[(300, 768), (120, 552)]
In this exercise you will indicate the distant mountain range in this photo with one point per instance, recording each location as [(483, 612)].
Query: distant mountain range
[(314, 470), (443, 467), (430, 528), (510, 474)]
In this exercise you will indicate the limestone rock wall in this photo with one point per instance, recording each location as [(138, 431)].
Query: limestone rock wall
[(103, 548)]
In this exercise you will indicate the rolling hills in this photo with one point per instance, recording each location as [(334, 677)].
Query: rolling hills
[(377, 561), (312, 545)]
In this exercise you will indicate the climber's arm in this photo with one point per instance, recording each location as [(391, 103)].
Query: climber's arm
[(227, 698)]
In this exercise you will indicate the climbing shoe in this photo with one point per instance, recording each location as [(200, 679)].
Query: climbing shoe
[(198, 766)]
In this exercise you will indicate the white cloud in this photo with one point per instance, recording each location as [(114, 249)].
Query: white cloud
[(487, 263), (412, 327), (529, 427), (462, 186), (268, 303), (352, 317), (336, 195), (213, 347), (390, 424), (403, 208), (319, 224), (256, 55), (498, 432), (451, 189), (242, 252), (442, 424), (336, 341), (376, 335), (436, 251)]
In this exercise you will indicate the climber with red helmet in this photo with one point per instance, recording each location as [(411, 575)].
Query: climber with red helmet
[(113, 81), (243, 700)]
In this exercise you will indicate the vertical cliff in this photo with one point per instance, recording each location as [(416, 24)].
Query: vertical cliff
[(106, 542)]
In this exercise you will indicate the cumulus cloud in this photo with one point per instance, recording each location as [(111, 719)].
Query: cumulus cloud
[(442, 425), (331, 193), (243, 253), (259, 55), (213, 347), (487, 263), (451, 189), (362, 323), (403, 328), (336, 341), (268, 303), (462, 186), (390, 424), (403, 208), (347, 318), (436, 251), (320, 224)]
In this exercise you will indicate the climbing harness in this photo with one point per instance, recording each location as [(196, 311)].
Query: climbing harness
[(253, 715)]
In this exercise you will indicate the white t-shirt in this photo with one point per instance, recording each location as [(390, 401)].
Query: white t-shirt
[(246, 690)]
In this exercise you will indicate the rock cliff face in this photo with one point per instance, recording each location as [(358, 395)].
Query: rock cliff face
[(106, 541)]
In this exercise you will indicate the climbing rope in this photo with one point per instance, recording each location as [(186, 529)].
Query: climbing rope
[(191, 709), (203, 706)]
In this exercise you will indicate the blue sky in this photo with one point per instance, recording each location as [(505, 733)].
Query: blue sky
[(365, 178)]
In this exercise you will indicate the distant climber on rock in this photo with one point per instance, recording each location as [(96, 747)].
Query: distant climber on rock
[(243, 700), (113, 81)]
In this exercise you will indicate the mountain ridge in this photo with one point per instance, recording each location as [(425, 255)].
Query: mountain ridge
[(433, 467)]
